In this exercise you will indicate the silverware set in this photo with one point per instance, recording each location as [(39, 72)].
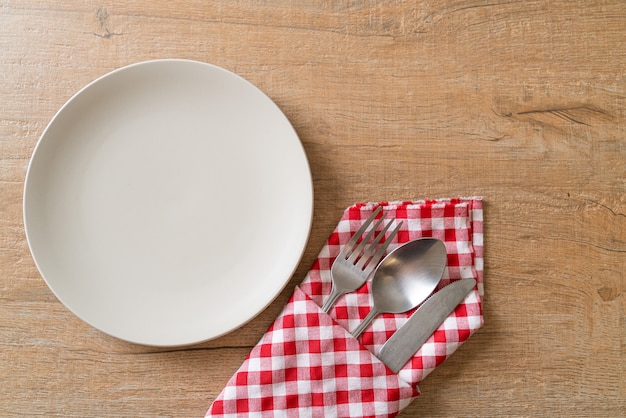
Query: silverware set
[(402, 280)]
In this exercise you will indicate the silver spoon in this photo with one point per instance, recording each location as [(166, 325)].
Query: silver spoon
[(406, 277)]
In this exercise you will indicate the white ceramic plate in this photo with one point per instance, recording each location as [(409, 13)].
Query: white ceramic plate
[(168, 202)]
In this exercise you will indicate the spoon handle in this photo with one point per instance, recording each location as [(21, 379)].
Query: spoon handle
[(369, 318)]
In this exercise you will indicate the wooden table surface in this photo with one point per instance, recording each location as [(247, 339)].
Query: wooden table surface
[(520, 102)]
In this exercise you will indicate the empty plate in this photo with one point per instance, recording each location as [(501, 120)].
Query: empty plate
[(168, 202)]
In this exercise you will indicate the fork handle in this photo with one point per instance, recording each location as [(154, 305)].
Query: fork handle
[(334, 295)]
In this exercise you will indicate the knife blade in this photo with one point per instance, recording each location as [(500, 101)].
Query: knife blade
[(405, 342)]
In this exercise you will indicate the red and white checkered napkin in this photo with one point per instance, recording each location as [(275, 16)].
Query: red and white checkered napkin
[(308, 364)]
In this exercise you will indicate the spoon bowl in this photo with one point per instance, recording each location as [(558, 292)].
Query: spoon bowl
[(405, 278)]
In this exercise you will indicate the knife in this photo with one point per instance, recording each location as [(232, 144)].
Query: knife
[(405, 342)]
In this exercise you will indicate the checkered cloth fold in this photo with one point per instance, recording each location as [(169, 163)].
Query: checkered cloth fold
[(308, 364)]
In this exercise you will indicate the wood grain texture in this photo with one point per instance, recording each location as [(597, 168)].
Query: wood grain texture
[(522, 102)]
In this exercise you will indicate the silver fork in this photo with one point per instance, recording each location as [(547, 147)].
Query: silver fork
[(355, 263)]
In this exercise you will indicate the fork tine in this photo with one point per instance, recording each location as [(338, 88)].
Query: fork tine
[(369, 251), (348, 247), (381, 250), (361, 247)]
